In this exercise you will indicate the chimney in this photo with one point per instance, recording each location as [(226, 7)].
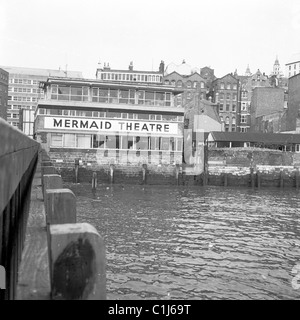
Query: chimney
[(162, 67), (131, 66)]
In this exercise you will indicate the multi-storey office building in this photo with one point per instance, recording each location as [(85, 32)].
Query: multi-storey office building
[(3, 93), (24, 90), (103, 123), (226, 95)]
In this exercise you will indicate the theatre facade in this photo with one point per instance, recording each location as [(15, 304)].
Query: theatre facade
[(105, 126)]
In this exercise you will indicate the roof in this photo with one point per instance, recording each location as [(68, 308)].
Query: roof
[(129, 71), (182, 69), (112, 84), (267, 138), (42, 72)]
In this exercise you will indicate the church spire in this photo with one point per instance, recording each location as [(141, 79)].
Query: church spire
[(248, 72)]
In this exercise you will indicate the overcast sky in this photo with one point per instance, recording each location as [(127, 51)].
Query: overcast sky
[(223, 34)]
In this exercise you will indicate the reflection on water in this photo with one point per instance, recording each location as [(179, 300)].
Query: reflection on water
[(168, 242)]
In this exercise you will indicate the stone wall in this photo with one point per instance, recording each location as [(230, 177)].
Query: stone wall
[(237, 164)]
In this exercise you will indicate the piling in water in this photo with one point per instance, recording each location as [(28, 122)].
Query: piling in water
[(281, 178), (94, 180), (111, 174), (297, 178), (144, 170), (258, 179)]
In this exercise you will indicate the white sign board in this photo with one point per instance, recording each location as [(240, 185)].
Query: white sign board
[(87, 124)]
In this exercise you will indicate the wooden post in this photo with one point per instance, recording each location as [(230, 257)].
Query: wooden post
[(94, 180), (252, 178), (144, 168), (77, 262), (76, 170), (258, 178), (51, 181), (281, 178), (60, 206), (225, 179), (111, 173), (177, 174), (297, 178)]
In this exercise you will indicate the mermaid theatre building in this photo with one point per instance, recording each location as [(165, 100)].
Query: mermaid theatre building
[(105, 126)]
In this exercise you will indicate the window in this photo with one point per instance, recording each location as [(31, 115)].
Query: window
[(202, 85), (179, 83), (141, 143), (244, 94), (195, 84), (243, 119), (221, 119), (56, 140), (167, 82), (69, 140), (227, 106), (233, 107), (227, 120), (233, 120), (244, 106), (228, 96), (84, 141), (234, 86), (222, 86), (221, 106), (99, 141), (228, 86), (221, 96), (189, 84)]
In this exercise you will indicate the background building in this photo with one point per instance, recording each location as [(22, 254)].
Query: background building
[(3, 93), (24, 91), (293, 110), (267, 110), (225, 93), (293, 66)]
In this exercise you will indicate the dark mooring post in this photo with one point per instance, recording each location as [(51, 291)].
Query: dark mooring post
[(225, 179), (252, 177), (76, 170), (94, 180), (144, 169), (297, 178), (177, 174), (258, 179), (281, 178)]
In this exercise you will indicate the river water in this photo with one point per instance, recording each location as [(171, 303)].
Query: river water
[(191, 242)]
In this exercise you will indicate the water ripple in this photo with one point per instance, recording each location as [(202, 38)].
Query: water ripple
[(165, 242)]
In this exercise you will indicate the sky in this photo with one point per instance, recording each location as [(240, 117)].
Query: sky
[(78, 34)]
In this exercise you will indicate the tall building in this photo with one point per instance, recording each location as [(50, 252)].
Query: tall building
[(105, 73), (293, 66), (247, 84), (24, 91), (226, 95), (3, 93)]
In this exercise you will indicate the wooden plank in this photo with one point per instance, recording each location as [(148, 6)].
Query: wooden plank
[(60, 206), (77, 262)]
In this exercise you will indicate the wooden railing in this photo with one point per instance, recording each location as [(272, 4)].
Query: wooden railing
[(18, 160)]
